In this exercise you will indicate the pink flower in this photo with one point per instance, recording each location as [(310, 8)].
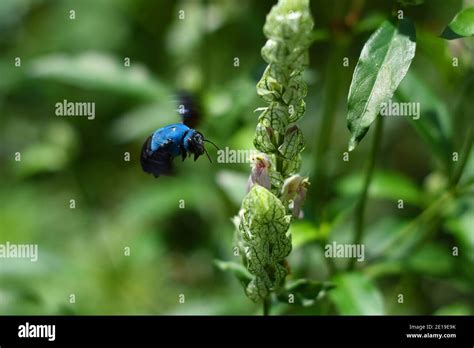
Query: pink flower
[(260, 173)]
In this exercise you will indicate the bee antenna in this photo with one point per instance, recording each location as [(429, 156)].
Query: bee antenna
[(208, 141), (207, 154)]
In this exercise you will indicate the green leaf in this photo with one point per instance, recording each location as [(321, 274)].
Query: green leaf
[(237, 269), (304, 232), (304, 292), (385, 185), (383, 63), (369, 23), (98, 71), (355, 294), (462, 25), (307, 287)]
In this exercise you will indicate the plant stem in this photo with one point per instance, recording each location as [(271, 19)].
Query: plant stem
[(266, 306), (360, 209), (466, 150)]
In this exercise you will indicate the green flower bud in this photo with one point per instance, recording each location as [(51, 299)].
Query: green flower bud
[(264, 228)]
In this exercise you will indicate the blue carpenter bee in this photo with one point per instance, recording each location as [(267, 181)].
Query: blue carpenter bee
[(168, 142)]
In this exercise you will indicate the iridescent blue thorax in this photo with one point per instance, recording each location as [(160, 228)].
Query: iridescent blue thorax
[(172, 136)]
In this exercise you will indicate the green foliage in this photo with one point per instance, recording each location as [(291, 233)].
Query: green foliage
[(303, 232), (233, 184), (459, 223), (356, 294), (383, 239), (237, 269), (382, 64), (99, 72), (51, 153), (304, 292), (454, 309), (432, 260), (462, 25), (434, 127), (385, 185)]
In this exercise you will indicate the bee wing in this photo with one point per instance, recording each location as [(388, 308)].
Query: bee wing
[(189, 109), (157, 162)]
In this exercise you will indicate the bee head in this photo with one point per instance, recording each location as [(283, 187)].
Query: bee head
[(194, 143)]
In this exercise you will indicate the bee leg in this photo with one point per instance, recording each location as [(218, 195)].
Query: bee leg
[(183, 152), (196, 156)]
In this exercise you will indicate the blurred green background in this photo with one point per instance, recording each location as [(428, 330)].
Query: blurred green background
[(173, 250)]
